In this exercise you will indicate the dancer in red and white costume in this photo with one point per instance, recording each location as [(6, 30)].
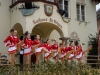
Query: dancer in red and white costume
[(55, 49), (63, 52), (80, 52), (38, 49), (47, 45), (11, 42), (27, 46), (72, 49)]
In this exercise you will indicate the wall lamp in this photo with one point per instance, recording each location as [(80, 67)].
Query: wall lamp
[(62, 13)]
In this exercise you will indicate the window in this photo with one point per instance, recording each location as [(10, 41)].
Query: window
[(61, 4), (66, 8), (80, 12), (50, 0), (14, 1), (64, 5)]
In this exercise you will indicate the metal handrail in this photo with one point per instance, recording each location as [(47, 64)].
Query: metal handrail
[(92, 59), (91, 55)]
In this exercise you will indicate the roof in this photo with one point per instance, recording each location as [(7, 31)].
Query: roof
[(96, 1), (98, 13)]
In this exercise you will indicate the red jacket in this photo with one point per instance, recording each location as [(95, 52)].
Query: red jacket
[(54, 46), (64, 50), (79, 50), (11, 40), (35, 42), (28, 43), (70, 48), (47, 46)]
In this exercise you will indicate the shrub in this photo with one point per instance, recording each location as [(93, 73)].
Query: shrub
[(93, 40), (50, 69)]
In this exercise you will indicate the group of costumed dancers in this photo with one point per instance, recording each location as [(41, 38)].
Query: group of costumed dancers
[(56, 51)]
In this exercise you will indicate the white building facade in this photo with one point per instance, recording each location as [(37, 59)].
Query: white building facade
[(77, 19)]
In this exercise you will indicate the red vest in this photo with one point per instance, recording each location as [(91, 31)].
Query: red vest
[(11, 40), (54, 46)]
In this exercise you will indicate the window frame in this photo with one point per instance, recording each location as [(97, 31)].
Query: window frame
[(67, 11), (80, 12), (13, 1), (63, 7)]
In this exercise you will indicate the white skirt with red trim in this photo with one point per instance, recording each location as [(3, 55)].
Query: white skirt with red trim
[(39, 50), (55, 54), (62, 55), (12, 49), (47, 54), (27, 51), (80, 55), (71, 56)]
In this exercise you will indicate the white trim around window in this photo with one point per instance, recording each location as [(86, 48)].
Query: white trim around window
[(81, 12), (14, 1), (62, 6)]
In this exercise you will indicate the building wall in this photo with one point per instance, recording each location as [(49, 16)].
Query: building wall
[(41, 14), (5, 22), (15, 17), (83, 30), (27, 21)]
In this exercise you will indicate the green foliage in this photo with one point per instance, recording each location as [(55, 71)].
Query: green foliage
[(93, 40), (50, 69)]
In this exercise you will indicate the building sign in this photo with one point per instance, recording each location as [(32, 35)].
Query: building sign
[(48, 9), (50, 20)]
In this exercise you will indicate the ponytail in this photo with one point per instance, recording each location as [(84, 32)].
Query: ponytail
[(25, 36), (12, 30)]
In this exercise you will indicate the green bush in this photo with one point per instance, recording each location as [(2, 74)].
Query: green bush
[(50, 69), (93, 40)]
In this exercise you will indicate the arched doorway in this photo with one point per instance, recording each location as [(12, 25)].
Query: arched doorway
[(19, 29), (45, 29)]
